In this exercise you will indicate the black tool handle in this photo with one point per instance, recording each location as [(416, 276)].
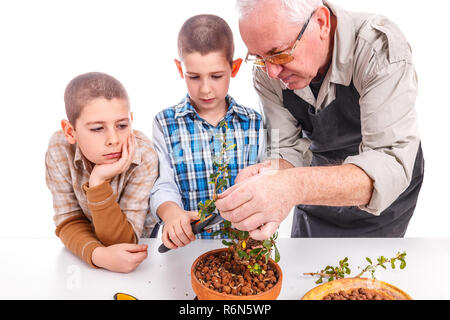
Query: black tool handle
[(162, 248)]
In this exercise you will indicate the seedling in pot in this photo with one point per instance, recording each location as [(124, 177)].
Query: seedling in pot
[(243, 250)]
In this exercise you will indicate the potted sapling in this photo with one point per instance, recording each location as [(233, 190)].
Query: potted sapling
[(245, 268)]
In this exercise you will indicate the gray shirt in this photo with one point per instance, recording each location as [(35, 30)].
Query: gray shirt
[(372, 52)]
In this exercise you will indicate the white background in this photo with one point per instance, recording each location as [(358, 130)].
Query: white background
[(44, 44)]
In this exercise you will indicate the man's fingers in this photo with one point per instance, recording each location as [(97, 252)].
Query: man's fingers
[(233, 198), (241, 213), (252, 222), (265, 232), (227, 192), (247, 173)]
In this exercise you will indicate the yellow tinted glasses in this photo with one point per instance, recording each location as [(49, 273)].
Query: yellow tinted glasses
[(279, 58)]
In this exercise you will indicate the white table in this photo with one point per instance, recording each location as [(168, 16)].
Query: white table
[(41, 268)]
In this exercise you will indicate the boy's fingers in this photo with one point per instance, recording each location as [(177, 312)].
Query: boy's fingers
[(133, 143), (173, 236), (188, 230), (167, 242), (194, 215), (181, 234), (140, 256), (131, 147), (136, 247)]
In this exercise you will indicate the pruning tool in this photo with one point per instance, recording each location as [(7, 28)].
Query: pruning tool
[(199, 226)]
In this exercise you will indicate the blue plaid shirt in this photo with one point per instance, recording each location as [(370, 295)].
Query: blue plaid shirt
[(189, 147)]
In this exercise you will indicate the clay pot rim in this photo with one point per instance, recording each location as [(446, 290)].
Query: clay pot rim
[(224, 295), (320, 291)]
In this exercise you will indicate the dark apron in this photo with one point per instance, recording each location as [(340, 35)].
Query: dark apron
[(335, 134)]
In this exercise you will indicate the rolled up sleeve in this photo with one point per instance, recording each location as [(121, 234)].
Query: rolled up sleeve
[(283, 130), (390, 135)]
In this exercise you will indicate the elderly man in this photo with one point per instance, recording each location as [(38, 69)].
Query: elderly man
[(338, 91)]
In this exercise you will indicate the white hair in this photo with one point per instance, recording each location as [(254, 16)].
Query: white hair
[(297, 11)]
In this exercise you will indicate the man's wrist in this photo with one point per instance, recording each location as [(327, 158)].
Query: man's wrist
[(292, 181)]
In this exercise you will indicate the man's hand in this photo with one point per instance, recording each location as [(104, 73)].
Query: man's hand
[(255, 169), (177, 231), (258, 204), (104, 172), (123, 257)]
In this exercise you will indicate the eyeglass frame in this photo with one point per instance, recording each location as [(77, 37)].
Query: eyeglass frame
[(262, 61)]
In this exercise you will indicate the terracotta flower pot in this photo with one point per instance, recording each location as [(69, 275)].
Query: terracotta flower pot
[(204, 293), (384, 289)]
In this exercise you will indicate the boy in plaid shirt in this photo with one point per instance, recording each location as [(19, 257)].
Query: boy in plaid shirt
[(188, 137), (100, 173)]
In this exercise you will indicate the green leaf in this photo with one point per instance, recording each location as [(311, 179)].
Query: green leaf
[(230, 147), (221, 184), (402, 264), (368, 260), (277, 255), (243, 235), (261, 253), (267, 244), (255, 251), (227, 243), (214, 175), (319, 281), (208, 202), (242, 254)]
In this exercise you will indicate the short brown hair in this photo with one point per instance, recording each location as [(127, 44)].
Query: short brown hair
[(88, 86), (206, 33)]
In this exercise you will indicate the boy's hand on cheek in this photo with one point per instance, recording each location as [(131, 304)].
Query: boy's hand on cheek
[(123, 257), (103, 172)]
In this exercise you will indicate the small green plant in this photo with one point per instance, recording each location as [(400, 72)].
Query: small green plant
[(381, 261), (219, 178), (242, 249), (343, 269), (247, 251)]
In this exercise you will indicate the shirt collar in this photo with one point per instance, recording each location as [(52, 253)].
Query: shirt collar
[(344, 46), (186, 107)]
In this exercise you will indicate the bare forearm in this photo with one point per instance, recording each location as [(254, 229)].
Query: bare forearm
[(344, 185), (166, 208)]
